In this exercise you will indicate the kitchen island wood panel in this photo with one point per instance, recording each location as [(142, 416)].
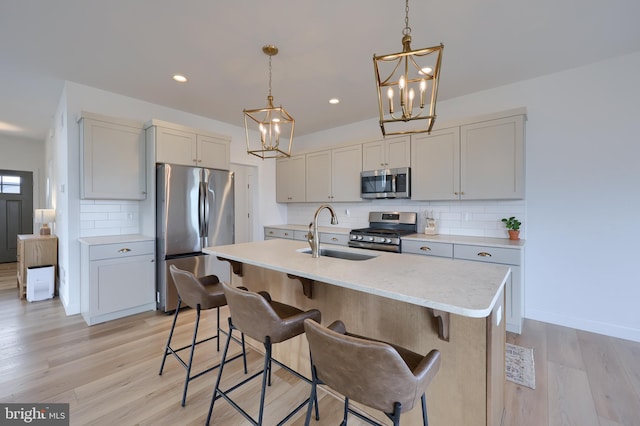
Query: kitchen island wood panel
[(468, 389)]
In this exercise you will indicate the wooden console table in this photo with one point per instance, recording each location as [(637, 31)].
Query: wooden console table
[(35, 250)]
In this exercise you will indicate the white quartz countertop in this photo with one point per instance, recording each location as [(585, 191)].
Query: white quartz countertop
[(464, 239), (441, 238), (115, 239), (305, 228), (457, 286)]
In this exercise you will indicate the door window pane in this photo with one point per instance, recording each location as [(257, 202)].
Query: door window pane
[(10, 184)]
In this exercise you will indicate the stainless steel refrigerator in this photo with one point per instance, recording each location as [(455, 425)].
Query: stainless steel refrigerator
[(194, 209)]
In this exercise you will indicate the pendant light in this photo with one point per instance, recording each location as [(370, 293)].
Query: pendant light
[(407, 84), (273, 125)]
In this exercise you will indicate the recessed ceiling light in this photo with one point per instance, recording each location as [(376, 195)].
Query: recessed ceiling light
[(334, 101), (180, 78)]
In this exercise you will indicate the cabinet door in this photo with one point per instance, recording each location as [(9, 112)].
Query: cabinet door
[(398, 152), (346, 165), (176, 147), (290, 179), (213, 152), (435, 165), (373, 156), (318, 176), (121, 283), (387, 154), (113, 161), (514, 296), (492, 159)]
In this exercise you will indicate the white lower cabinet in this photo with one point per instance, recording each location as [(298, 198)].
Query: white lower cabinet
[(336, 238), (514, 291), (271, 233), (512, 257), (117, 279)]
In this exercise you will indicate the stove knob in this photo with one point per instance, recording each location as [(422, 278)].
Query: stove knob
[(370, 238), (387, 240)]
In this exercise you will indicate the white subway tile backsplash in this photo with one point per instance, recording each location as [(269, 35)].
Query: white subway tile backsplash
[(108, 217), (472, 218)]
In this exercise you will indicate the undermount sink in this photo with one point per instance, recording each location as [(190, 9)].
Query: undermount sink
[(338, 254)]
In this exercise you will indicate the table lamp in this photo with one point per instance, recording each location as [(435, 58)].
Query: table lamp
[(44, 217)]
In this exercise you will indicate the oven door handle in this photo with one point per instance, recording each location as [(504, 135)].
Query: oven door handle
[(393, 183)]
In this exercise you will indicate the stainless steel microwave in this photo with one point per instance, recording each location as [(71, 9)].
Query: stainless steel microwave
[(386, 183)]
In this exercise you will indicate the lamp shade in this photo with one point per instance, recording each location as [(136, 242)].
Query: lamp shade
[(45, 215)]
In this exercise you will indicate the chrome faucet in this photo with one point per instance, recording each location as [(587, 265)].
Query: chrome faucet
[(312, 235)]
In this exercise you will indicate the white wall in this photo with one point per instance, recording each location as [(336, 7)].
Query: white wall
[(77, 98), (581, 186), (582, 194), (22, 154)]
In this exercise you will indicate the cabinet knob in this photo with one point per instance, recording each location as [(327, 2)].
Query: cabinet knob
[(484, 254), (425, 248), (334, 239), (124, 250)]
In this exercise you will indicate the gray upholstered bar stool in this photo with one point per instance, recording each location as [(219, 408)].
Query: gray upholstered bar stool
[(266, 321), (377, 374), (200, 294)]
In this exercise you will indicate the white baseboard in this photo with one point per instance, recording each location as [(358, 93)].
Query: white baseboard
[(599, 327)]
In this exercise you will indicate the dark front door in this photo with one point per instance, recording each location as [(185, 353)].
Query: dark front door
[(16, 210)]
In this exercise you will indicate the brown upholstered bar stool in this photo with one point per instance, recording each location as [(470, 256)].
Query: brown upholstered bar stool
[(377, 374), (266, 321), (201, 294)]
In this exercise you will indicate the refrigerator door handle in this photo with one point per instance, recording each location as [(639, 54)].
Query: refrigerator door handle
[(205, 218), (201, 210)]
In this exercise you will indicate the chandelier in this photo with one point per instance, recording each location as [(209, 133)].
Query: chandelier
[(408, 86), (274, 125)]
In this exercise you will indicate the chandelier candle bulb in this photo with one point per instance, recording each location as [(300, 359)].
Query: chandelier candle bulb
[(423, 86), (411, 96), (390, 95)]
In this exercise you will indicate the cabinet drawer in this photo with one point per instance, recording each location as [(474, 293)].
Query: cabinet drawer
[(300, 235), (487, 254), (330, 238), (120, 250), (427, 248), (278, 233)]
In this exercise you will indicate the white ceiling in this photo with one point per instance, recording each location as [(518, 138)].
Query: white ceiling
[(133, 47)]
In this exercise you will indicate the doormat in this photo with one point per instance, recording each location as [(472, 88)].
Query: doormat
[(519, 365)]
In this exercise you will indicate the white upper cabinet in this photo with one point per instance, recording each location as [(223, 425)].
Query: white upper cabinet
[(478, 161), (492, 159), (334, 175), (290, 179), (435, 165), (318, 181), (387, 153), (177, 144), (347, 165), (112, 152)]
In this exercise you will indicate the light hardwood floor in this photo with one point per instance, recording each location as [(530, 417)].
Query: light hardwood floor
[(108, 373)]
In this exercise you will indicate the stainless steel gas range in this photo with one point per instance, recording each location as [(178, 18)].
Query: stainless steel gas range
[(385, 231)]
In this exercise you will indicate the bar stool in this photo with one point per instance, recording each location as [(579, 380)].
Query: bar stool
[(202, 294), (379, 375), (269, 322)]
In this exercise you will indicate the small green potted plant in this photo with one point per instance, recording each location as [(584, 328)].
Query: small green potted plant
[(513, 226)]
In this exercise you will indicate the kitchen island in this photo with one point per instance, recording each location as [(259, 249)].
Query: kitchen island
[(414, 301)]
